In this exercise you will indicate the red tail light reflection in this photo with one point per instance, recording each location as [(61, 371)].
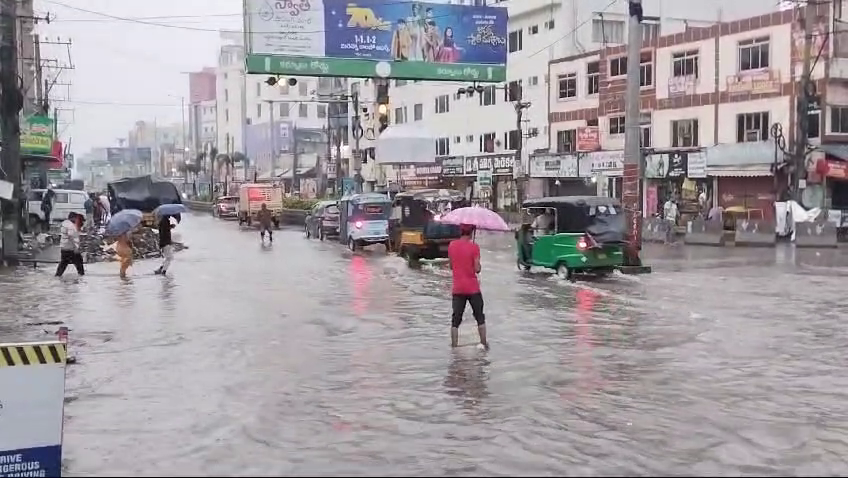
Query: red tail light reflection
[(361, 279)]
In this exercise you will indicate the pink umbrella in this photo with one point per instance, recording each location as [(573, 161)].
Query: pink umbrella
[(479, 217)]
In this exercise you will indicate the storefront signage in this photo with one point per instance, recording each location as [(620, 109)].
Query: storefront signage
[(607, 163), (453, 165), (433, 171), (837, 169), (677, 165), (696, 167), (588, 138), (553, 166), (763, 81), (498, 164)]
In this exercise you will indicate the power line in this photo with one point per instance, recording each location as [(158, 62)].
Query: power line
[(115, 103), (199, 29)]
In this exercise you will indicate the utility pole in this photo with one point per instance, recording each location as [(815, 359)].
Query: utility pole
[(39, 78), (518, 169), (806, 89), (295, 158), (271, 132), (633, 167), (356, 131), (10, 107), (329, 127)]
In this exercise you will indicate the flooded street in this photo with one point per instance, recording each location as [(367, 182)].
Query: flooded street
[(304, 359)]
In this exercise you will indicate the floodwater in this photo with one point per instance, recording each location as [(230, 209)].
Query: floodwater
[(302, 358)]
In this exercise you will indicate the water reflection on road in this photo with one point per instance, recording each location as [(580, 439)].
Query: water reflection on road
[(301, 358)]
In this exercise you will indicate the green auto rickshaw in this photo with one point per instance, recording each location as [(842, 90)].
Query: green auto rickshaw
[(572, 234)]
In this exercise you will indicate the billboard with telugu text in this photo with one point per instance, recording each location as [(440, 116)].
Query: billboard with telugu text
[(377, 38)]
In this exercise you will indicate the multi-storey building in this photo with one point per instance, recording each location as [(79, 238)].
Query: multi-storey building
[(271, 123), (539, 31), (712, 100)]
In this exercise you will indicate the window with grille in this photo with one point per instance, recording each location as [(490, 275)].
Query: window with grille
[(752, 127), (684, 133), (593, 78), (567, 86), (685, 63), (754, 54)]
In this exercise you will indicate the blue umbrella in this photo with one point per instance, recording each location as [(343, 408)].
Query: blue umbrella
[(169, 210), (123, 222)]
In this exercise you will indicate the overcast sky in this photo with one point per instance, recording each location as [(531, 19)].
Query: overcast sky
[(127, 71)]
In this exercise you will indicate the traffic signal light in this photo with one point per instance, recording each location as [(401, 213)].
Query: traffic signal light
[(383, 116), (383, 105)]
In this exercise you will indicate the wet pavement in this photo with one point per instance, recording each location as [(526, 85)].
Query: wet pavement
[(304, 359)]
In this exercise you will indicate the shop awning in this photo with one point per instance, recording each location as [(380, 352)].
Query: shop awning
[(838, 151), (741, 156)]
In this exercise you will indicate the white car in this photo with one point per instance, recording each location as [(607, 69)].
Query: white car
[(64, 202)]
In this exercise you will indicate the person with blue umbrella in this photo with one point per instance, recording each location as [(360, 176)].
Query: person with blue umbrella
[(120, 227)]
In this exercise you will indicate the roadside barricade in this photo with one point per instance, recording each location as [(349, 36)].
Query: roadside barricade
[(654, 230), (198, 205), (293, 217), (704, 233), (815, 234), (755, 232)]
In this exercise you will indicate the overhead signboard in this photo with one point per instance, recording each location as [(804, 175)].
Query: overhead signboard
[(375, 38)]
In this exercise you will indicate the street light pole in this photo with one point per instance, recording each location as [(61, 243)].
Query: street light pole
[(271, 131)]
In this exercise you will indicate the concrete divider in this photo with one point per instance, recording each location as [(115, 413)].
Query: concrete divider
[(815, 234), (704, 233), (293, 217), (198, 205), (755, 232), (654, 230)]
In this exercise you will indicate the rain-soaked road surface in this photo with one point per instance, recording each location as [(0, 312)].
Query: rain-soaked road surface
[(301, 359)]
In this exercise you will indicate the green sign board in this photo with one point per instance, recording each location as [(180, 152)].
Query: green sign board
[(306, 66), (37, 135), (415, 40)]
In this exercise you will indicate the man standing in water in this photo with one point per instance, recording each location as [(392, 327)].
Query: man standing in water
[(69, 245), (464, 257), (265, 220)]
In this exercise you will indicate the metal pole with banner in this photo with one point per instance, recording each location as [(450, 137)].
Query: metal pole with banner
[(32, 400)]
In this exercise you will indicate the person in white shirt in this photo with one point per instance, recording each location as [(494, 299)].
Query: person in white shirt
[(543, 223), (69, 245), (670, 213)]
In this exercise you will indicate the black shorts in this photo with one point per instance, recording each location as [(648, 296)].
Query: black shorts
[(476, 301)]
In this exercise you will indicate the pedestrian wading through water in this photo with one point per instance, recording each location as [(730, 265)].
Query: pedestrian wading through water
[(464, 255), (69, 245)]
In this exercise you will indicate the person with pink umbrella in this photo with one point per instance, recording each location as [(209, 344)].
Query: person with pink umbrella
[(464, 255)]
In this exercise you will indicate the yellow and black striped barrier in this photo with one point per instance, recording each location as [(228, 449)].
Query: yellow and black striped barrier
[(21, 355)]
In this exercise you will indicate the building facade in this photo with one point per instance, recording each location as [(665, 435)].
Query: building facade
[(485, 123), (717, 113)]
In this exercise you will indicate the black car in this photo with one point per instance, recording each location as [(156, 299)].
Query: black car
[(323, 220)]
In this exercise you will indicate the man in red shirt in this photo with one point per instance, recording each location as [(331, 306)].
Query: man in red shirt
[(464, 257)]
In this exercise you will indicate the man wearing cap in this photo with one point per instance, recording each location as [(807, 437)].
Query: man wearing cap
[(464, 255)]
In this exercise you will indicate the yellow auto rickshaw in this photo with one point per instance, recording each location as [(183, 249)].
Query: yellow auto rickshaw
[(415, 229)]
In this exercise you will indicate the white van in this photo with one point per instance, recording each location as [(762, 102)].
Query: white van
[(65, 202)]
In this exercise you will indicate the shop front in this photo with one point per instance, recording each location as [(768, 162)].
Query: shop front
[(742, 178), (453, 174), (557, 175), (678, 174), (492, 180), (418, 176), (605, 169)]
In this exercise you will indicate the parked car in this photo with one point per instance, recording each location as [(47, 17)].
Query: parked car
[(64, 202), (226, 207), (323, 220)]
